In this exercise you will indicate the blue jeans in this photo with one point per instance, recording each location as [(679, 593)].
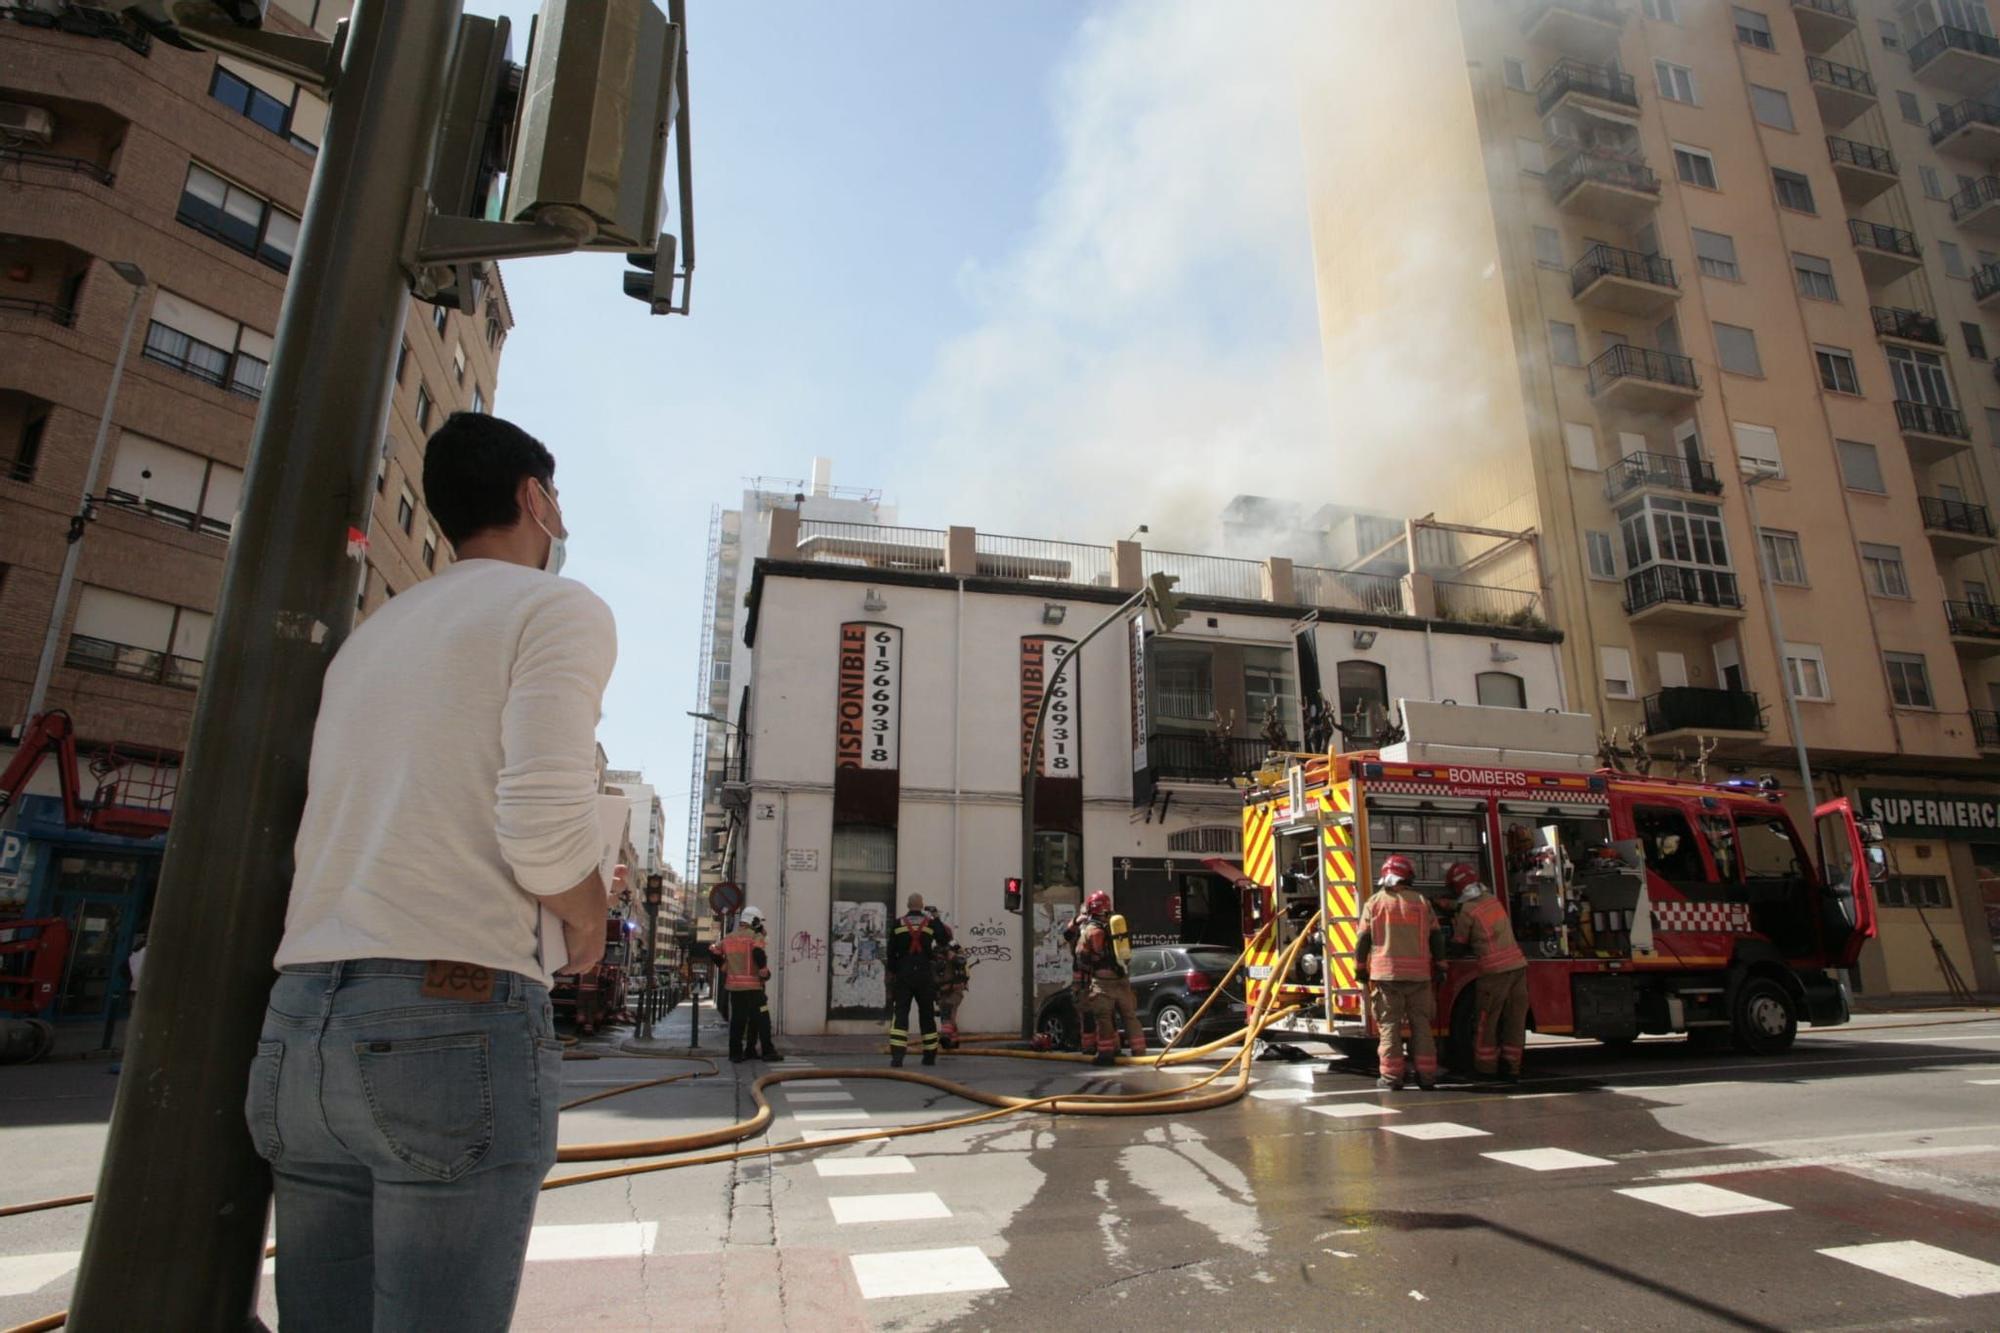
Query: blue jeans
[(408, 1138)]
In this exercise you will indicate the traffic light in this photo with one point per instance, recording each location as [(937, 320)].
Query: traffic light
[(1164, 602), (1013, 883), (654, 281)]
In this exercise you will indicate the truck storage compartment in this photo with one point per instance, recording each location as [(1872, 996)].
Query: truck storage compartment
[(1605, 1007)]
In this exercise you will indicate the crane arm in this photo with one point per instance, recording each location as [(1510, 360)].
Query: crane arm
[(52, 731)]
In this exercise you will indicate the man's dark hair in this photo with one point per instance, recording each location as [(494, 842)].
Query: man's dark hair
[(473, 465)]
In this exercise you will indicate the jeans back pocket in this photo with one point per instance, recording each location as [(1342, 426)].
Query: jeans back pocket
[(431, 1099), (260, 1103)]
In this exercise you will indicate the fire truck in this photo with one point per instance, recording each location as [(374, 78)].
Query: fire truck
[(1646, 904)]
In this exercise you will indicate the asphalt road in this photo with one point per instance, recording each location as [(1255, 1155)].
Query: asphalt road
[(1854, 1183)]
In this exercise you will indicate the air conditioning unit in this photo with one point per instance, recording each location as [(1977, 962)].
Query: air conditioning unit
[(32, 124)]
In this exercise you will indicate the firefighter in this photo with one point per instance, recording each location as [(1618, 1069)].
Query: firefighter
[(745, 968), (954, 974), (913, 950), (1079, 986), (1501, 992), (1398, 946), (1101, 951)]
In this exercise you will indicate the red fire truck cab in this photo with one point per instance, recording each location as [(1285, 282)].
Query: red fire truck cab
[(1645, 904)]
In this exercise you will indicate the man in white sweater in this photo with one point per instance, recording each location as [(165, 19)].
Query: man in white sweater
[(406, 1083)]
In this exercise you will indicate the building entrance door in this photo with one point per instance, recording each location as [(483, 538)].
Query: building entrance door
[(101, 896)]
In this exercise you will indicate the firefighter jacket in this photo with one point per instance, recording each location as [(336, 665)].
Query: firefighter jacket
[(1483, 924), (913, 944), (741, 954), (1095, 956), (1402, 934)]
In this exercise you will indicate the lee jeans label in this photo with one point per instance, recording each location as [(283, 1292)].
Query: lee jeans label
[(444, 980)]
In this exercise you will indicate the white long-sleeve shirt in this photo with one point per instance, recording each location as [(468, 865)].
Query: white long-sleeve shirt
[(454, 772)]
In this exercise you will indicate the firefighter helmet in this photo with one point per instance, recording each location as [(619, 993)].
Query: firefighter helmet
[(1097, 904), (1397, 869), (1460, 877), (752, 917)]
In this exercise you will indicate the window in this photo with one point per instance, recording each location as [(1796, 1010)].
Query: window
[(1919, 377), (1501, 689), (458, 363), (1603, 557), (478, 399), (1912, 110), (1716, 254), (424, 407), (1662, 11), (175, 485), (402, 360), (1860, 467), (1933, 187), (1771, 107), (1805, 668), (1815, 277), (439, 316), (382, 463), (1580, 440), (1364, 695), (431, 550), (1191, 683), (1757, 446), (1616, 664), (1532, 157), (1669, 844), (1993, 426), (1548, 247), (1736, 350), (1883, 566), (1563, 347), (1912, 891), (1514, 74), (1784, 558), (1794, 191), (1836, 370), (1954, 260), (493, 330), (28, 446), (1753, 29), (406, 510), (1909, 680), (1975, 341), (237, 86), (198, 341), (239, 219), (1689, 534), (1694, 166), (1892, 36), (1676, 81), (138, 638)]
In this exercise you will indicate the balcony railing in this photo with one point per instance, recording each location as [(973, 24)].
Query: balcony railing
[(1668, 471), (1681, 585), (1209, 575), (1570, 75), (1877, 236), (1179, 756), (1938, 42), (1609, 261), (1975, 620), (49, 310), (173, 515), (1985, 281), (83, 21), (1478, 604), (32, 159), (1693, 707), (1930, 419), (1909, 325), (143, 664), (1864, 155), (1845, 77), (1971, 111), (1625, 361), (1955, 516), (1348, 590), (1588, 164), (1840, 9), (1039, 561), (871, 545), (1986, 728), (1596, 9), (1984, 191)]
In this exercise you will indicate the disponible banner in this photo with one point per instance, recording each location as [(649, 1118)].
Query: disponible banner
[(1062, 730), (869, 704), (1138, 693)]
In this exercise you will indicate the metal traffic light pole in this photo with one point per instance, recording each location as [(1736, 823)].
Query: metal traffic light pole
[(177, 1234)]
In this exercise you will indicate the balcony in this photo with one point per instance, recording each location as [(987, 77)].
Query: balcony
[(1886, 253), (1933, 433), (1604, 187), (1624, 280), (22, 163), (1909, 326), (1691, 709), (1587, 29), (1969, 131), (1976, 208), (1986, 286), (1660, 472), (1986, 728), (1597, 90), (1822, 23), (48, 310), (1975, 627), (1639, 379), (1842, 91), (1862, 169), (1683, 595), (1958, 59), (1181, 757), (1957, 528), (141, 664)]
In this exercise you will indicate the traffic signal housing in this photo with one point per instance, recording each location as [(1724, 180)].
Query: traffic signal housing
[(1164, 602), (653, 283), (1013, 886)]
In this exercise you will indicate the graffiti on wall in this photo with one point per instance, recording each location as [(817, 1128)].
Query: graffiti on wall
[(806, 947), (987, 941)]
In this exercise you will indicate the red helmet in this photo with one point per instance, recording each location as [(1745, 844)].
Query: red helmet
[(1459, 876), (1097, 904), (1397, 870)]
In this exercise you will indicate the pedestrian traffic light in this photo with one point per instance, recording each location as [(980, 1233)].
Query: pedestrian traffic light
[(654, 281), (1164, 602), (1013, 883)]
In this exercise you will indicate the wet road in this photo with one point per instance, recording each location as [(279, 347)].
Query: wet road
[(1852, 1184)]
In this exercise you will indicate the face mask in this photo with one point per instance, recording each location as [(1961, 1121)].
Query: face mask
[(558, 546)]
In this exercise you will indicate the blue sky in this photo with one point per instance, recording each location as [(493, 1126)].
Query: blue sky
[(1041, 267)]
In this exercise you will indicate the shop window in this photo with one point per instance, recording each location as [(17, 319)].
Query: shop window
[(863, 893), (1913, 891)]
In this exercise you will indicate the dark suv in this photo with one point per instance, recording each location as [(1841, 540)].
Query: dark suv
[(1171, 982)]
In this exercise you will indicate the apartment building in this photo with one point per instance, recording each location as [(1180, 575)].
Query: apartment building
[(120, 155), (1707, 294)]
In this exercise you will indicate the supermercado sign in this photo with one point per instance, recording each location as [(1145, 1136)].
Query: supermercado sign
[(1933, 814), (868, 705)]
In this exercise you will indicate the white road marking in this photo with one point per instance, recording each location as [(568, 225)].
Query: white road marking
[(821, 1135), (864, 1166), (1703, 1200), (851, 1114), (1437, 1129), (1984, 1082), (1912, 1261), (25, 1274), (1348, 1110), (1858, 1161), (831, 1095), (1548, 1159), (925, 1272), (596, 1240), (851, 1208)]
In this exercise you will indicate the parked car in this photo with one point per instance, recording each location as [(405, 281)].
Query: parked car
[(1171, 981)]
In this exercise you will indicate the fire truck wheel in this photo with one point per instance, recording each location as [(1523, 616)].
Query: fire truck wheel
[(1766, 1020)]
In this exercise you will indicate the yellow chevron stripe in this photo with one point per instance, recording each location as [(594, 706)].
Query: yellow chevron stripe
[(1343, 797)]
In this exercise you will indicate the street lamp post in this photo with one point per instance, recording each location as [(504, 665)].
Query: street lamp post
[(1752, 479), (656, 889)]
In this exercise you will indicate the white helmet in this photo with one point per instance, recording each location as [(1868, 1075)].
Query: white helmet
[(752, 916)]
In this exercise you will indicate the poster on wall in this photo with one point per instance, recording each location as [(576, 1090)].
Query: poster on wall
[(1062, 735), (868, 706), (1054, 956), (855, 978), (1138, 693)]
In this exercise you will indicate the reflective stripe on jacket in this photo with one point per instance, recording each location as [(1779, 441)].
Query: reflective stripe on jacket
[(1399, 923), (1483, 923), (739, 962)]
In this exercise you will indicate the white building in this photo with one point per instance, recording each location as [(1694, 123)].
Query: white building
[(892, 677)]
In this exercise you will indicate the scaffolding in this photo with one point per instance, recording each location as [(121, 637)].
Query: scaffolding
[(698, 778)]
